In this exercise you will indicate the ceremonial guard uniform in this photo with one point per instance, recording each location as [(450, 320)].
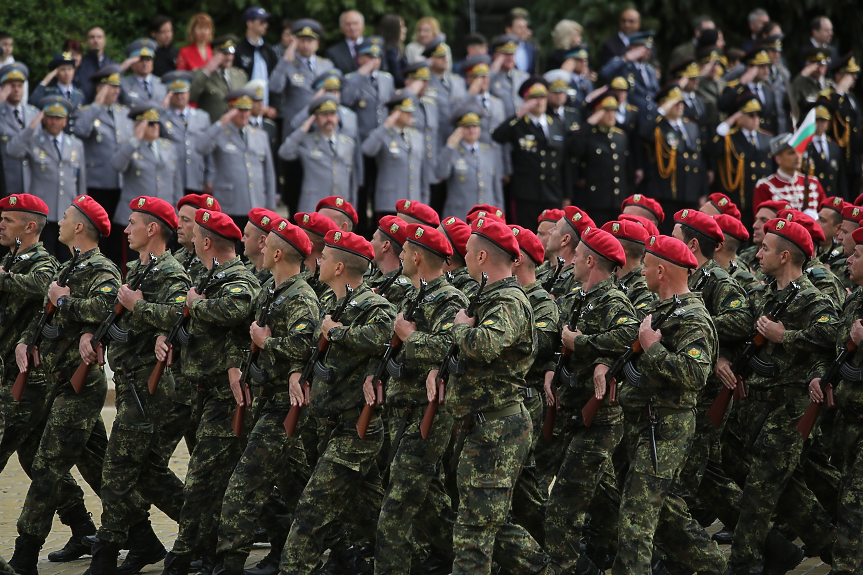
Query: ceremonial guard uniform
[(846, 126)]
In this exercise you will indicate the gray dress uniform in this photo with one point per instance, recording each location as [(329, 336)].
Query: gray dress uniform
[(196, 170), (146, 173), (427, 122), (102, 130), (493, 115), (368, 99), (133, 90), (293, 80), (402, 173), (347, 122), (446, 90), (505, 86), (244, 176), (56, 180), (75, 95), (472, 176), (326, 171), (16, 173)]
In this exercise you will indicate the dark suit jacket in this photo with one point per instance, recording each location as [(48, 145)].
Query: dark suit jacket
[(340, 54), (244, 59), (612, 47), (532, 59), (89, 66)]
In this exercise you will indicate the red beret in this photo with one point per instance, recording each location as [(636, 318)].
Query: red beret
[(339, 204), (263, 219), (857, 235), (485, 211), (394, 228), (672, 250), (95, 213), (351, 243), (605, 245), (218, 223), (700, 222), (774, 205), (578, 219), (200, 201), (418, 211), (793, 232), (457, 232), (292, 234), (497, 233), (430, 238), (731, 226), (24, 203), (859, 200), (647, 224), (627, 230), (646, 203), (804, 220), (834, 203), (551, 215), (315, 223), (156, 207), (852, 213), (529, 243), (724, 204)]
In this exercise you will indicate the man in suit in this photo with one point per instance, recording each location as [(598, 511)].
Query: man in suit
[(103, 126), (537, 154), (756, 20), (517, 23), (219, 76), (254, 56), (15, 115), (141, 85), (471, 169), (617, 45), (54, 160), (244, 176), (821, 30), (60, 82), (344, 53), (635, 65), (687, 49), (93, 61), (181, 124), (330, 159), (491, 109), (505, 77), (444, 86)]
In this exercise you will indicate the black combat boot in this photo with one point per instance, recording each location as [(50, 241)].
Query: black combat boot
[(177, 564), (78, 519), (780, 554), (269, 565), (104, 560), (26, 556), (144, 549)]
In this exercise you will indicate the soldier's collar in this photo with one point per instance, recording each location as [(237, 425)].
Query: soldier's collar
[(602, 285)]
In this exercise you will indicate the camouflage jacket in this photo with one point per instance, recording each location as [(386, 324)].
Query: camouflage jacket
[(425, 349), (811, 324), (849, 394), (319, 287), (463, 282), (746, 258), (93, 286), (292, 315), (830, 255), (397, 290), (496, 353), (219, 324), (164, 290), (634, 287), (563, 284), (22, 292), (608, 324), (727, 304), (826, 282), (262, 275), (546, 333), (354, 352), (190, 262), (676, 368), (840, 270), (744, 277)]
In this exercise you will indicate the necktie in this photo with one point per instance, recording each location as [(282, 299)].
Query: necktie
[(824, 149), (405, 138), (111, 112), (333, 147), (183, 118), (57, 147), (147, 89), (18, 118), (485, 103), (752, 140), (68, 95), (374, 81), (155, 150), (473, 151), (311, 65)]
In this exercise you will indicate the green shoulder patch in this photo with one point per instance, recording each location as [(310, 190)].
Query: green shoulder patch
[(446, 326), (823, 319), (488, 322), (541, 323), (180, 299), (693, 352), (236, 289), (735, 303), (300, 326), (106, 289)]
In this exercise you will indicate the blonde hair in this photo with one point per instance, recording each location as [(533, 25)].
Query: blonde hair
[(435, 26), (200, 19), (563, 33)]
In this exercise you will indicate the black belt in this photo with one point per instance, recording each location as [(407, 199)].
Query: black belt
[(346, 415), (778, 393)]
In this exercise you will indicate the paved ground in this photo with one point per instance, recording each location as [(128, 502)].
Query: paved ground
[(13, 488)]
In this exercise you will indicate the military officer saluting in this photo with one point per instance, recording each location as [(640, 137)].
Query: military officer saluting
[(15, 116), (330, 83), (470, 168), (506, 80), (429, 114), (55, 161), (216, 78), (561, 102), (367, 90), (141, 85), (636, 67), (330, 159), (244, 175), (181, 124), (493, 113), (59, 82), (824, 154), (445, 87)]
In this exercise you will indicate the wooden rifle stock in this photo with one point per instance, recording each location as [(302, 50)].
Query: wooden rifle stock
[(807, 422)]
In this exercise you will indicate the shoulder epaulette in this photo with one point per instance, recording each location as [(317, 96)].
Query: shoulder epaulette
[(631, 108), (617, 130)]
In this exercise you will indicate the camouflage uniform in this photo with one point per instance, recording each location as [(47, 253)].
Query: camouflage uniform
[(826, 282), (673, 371), (219, 332), (345, 482), (746, 258), (763, 451), (397, 290), (132, 460), (262, 275), (634, 287), (608, 325), (416, 501), (840, 270), (71, 418), (461, 279), (743, 277), (562, 285), (271, 457), (494, 358)]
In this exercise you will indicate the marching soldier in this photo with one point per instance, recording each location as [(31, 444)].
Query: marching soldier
[(644, 207), (446, 88), (544, 224), (457, 233), (506, 80), (141, 85), (255, 234), (211, 358), (632, 237), (218, 77), (15, 116), (181, 124), (315, 226), (718, 203), (830, 251), (54, 161), (340, 211), (801, 192), (764, 212), (846, 127), (734, 234), (388, 242), (821, 277), (562, 242), (417, 213), (59, 82)]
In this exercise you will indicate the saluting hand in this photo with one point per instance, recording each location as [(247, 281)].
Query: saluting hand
[(228, 116), (37, 120)]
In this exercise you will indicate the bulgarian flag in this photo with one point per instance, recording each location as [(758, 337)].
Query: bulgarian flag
[(800, 139)]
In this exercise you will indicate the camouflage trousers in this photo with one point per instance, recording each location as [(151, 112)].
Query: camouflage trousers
[(549, 455), (586, 476), (528, 498), (847, 558), (488, 468), (180, 420), (74, 434), (650, 510), (210, 466), (345, 484), (133, 466), (706, 435), (271, 458), (415, 502), (763, 456)]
